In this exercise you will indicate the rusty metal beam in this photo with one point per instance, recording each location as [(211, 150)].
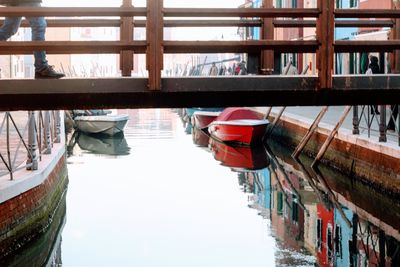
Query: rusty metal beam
[(141, 23), (155, 37), (29, 94), (278, 23), (126, 35), (367, 13), (325, 35), (267, 33), (213, 23), (87, 47), (242, 12), (239, 46), (370, 45), (72, 47), (71, 11), (281, 23)]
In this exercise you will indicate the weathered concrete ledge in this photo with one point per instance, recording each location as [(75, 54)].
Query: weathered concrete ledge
[(367, 159), (28, 203)]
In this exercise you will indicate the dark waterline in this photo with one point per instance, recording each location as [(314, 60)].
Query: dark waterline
[(157, 196)]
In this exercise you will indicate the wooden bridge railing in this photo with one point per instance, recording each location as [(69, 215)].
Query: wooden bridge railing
[(158, 17)]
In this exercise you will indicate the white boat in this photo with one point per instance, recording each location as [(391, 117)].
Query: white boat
[(104, 124)]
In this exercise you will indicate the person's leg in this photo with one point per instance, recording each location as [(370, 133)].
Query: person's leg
[(9, 27), (38, 26), (42, 68)]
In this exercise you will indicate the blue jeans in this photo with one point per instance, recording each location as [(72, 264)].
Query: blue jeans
[(38, 26)]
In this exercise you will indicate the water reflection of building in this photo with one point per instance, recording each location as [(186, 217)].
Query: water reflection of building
[(149, 120), (332, 224)]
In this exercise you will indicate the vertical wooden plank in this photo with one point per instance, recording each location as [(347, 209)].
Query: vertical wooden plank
[(155, 37), (325, 35), (126, 34), (394, 35), (267, 33)]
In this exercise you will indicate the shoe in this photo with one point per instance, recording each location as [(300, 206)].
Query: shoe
[(48, 73)]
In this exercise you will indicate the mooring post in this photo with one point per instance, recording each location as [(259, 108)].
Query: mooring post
[(47, 132), (356, 121), (325, 36), (126, 34), (382, 125), (32, 161), (155, 37), (267, 33), (57, 119)]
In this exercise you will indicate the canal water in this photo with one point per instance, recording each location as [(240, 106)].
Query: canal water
[(164, 194)]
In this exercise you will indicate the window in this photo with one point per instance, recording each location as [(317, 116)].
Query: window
[(329, 244), (338, 241), (319, 234), (353, 3)]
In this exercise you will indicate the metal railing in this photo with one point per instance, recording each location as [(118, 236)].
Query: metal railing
[(386, 119), (24, 138), (326, 19)]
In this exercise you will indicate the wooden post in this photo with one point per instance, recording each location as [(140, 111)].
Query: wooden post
[(331, 136), (325, 35), (155, 37), (309, 133), (126, 34), (267, 33)]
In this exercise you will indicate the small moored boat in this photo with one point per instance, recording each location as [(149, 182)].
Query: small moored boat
[(104, 124), (238, 125), (201, 119)]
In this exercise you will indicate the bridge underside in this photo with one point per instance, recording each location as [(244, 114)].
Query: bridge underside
[(88, 93)]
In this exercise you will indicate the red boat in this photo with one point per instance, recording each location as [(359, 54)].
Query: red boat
[(201, 119), (200, 137), (238, 125), (240, 158)]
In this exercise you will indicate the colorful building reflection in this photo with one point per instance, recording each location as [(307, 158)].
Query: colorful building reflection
[(311, 219)]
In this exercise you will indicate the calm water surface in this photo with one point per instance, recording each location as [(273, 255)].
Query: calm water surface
[(158, 196)]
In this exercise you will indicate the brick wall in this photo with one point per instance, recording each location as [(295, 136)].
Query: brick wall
[(22, 218)]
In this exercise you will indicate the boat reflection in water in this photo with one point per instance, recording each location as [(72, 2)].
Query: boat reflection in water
[(319, 218), (200, 137), (103, 144), (240, 158)]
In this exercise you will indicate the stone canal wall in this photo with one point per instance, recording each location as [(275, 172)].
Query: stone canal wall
[(28, 203), (25, 216), (374, 163)]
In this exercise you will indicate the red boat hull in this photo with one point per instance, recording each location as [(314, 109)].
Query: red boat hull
[(244, 132), (240, 157), (201, 119), (200, 137)]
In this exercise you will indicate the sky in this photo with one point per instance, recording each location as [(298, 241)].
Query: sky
[(167, 3), (179, 34)]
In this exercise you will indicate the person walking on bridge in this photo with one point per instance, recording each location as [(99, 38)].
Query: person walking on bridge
[(38, 25)]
